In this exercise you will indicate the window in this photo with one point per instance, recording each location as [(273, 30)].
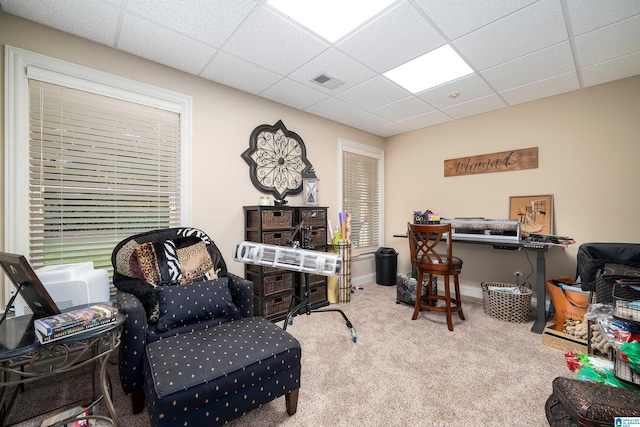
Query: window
[(95, 158), (362, 193)]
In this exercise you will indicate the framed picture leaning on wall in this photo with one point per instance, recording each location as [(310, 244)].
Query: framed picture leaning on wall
[(535, 213)]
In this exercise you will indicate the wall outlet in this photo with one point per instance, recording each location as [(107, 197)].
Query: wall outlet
[(517, 273)]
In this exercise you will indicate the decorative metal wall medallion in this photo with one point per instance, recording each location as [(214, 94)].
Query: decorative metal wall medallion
[(277, 159)]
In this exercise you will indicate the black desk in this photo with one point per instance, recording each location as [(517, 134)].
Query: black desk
[(541, 281), (23, 359)]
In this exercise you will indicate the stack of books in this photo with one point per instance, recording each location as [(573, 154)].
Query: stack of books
[(73, 322)]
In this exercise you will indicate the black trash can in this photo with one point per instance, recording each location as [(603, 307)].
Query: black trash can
[(386, 266)]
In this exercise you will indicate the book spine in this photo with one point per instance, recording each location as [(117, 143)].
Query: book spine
[(74, 330), (98, 312), (47, 329)]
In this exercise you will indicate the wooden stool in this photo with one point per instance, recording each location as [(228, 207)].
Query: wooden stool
[(423, 240)]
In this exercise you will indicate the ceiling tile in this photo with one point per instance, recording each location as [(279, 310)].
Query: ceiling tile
[(238, 73), (336, 64), (608, 71), (394, 38), (195, 17), (542, 89), (90, 19), (270, 41), (534, 27), (545, 63), (469, 87), (457, 18), (334, 109), (389, 130), (425, 120), (476, 106), (148, 40), (520, 50), (373, 93), (609, 42), (403, 109), (293, 94), (365, 121), (588, 15)]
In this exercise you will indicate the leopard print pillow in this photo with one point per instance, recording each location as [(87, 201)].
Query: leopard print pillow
[(156, 263), (195, 262)]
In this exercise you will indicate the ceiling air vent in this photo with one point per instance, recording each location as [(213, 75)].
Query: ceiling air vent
[(327, 81)]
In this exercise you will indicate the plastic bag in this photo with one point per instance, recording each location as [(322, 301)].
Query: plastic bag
[(630, 353), (599, 311)]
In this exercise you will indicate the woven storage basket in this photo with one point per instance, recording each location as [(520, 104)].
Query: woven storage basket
[(507, 306)]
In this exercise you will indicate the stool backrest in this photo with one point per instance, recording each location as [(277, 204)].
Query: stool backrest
[(423, 240)]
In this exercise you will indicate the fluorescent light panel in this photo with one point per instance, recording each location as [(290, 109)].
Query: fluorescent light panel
[(331, 19), (439, 66)]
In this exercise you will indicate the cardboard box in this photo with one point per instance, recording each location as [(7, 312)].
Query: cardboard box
[(563, 341)]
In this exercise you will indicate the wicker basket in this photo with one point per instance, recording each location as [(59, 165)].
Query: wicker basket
[(624, 372), (626, 302), (507, 306)]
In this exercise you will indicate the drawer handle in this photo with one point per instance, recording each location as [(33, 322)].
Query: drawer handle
[(277, 235), (279, 278)]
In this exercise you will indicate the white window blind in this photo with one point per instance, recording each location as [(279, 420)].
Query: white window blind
[(100, 169), (362, 196)]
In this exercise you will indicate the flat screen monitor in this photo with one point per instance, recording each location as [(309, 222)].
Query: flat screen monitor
[(32, 290)]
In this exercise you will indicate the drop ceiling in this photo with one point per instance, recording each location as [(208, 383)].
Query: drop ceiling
[(519, 50)]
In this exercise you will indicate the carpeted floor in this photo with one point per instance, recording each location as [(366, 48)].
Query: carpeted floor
[(399, 372)]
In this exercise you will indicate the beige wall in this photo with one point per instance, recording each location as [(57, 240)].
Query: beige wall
[(588, 152), (223, 119), (589, 147)]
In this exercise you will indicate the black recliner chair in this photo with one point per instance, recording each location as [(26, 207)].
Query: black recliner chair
[(190, 340)]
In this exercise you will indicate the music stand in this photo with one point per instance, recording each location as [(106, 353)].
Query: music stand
[(28, 286)]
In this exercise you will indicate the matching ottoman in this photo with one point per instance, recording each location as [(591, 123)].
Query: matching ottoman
[(208, 377)]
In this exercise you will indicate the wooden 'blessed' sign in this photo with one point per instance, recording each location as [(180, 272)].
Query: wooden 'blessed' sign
[(526, 158)]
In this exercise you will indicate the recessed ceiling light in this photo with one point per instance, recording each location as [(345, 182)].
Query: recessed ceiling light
[(429, 70), (331, 19)]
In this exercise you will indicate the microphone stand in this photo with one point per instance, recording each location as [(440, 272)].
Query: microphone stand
[(304, 307)]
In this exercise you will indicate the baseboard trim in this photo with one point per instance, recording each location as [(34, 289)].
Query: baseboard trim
[(466, 290)]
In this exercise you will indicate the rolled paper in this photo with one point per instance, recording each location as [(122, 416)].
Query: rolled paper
[(341, 217), (330, 233), (347, 220), (333, 286)]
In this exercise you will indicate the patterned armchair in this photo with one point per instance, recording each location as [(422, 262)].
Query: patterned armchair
[(191, 346)]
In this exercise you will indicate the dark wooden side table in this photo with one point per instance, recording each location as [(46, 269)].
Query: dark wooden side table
[(23, 359)]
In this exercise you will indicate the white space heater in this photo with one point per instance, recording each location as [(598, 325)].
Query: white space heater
[(70, 285)]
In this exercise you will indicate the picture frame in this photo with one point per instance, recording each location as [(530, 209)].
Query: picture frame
[(21, 274), (535, 213)]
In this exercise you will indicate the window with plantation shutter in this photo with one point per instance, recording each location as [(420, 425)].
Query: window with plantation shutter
[(362, 194), (100, 166)]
